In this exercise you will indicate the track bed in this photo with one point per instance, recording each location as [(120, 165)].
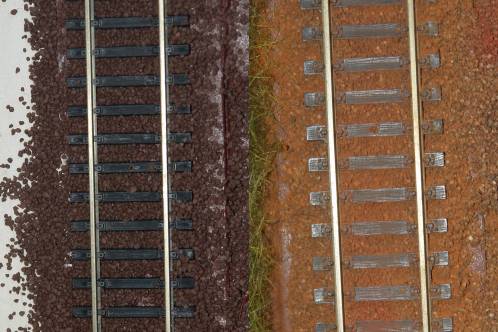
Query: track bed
[(209, 214)]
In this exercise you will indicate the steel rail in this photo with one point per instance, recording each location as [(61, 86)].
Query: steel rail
[(163, 61), (419, 168), (332, 161), (91, 91)]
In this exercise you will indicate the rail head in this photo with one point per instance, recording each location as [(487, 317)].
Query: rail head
[(92, 161), (416, 106), (332, 162), (163, 83)]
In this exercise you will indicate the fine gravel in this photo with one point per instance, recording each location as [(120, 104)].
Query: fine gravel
[(217, 68)]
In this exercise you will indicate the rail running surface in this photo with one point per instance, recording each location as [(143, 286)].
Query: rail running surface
[(91, 91), (423, 260), (419, 169), (163, 65), (331, 154), (96, 283)]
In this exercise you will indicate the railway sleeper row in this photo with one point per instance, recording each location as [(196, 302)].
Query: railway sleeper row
[(128, 197), (381, 195), (319, 133), (180, 166), (316, 4), (401, 260), (364, 64), (128, 81), (134, 283), (384, 227), (438, 325), (432, 159), (135, 312), (132, 138), (357, 31), (128, 110), (127, 22), (365, 130), (178, 224), (129, 51)]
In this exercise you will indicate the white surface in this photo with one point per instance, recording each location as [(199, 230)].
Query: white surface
[(12, 56)]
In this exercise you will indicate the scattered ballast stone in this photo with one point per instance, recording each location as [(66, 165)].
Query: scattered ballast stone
[(14, 76)]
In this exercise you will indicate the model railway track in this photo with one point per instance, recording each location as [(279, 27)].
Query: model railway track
[(96, 282), (342, 197)]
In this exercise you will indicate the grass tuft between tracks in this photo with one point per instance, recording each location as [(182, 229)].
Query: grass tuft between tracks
[(262, 154)]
